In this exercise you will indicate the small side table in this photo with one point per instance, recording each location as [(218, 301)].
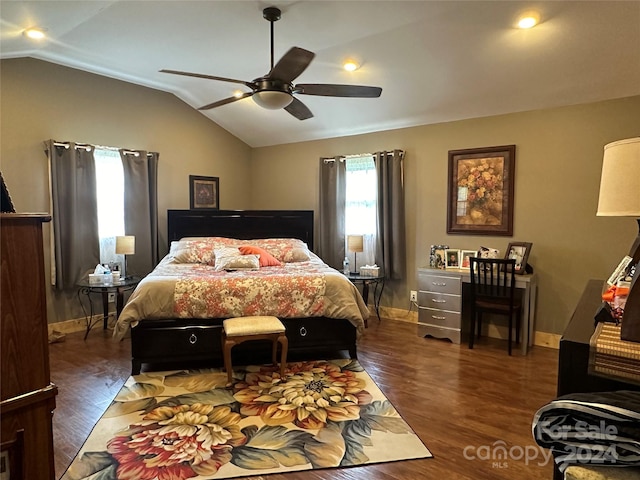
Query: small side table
[(366, 280), (86, 288)]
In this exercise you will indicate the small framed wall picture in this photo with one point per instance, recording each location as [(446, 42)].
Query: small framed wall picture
[(452, 258), (465, 258), (520, 252), (204, 192)]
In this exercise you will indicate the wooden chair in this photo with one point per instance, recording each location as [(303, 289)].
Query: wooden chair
[(493, 290), (241, 329)]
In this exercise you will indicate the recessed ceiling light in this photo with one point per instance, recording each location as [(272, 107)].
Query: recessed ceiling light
[(238, 93), (528, 20), (350, 65), (35, 33)]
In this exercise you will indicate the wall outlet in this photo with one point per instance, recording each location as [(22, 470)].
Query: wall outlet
[(413, 296), (112, 297)]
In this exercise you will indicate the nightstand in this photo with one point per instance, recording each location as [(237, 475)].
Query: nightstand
[(118, 288), (366, 280)]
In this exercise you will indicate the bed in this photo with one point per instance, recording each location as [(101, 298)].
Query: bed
[(175, 314)]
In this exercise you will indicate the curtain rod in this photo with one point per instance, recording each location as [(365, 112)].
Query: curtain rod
[(344, 157), (102, 147)]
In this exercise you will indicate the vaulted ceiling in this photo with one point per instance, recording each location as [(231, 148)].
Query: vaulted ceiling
[(435, 61)]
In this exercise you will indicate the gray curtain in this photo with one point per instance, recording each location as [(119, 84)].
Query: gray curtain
[(141, 208), (75, 241), (331, 220), (390, 251)]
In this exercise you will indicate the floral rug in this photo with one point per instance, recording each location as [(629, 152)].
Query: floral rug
[(182, 424)]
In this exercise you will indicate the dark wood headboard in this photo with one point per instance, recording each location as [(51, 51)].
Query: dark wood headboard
[(241, 224)]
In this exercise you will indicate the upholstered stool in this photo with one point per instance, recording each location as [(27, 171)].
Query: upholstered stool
[(238, 330)]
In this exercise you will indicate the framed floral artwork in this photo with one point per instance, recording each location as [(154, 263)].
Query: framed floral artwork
[(480, 193), (204, 192)]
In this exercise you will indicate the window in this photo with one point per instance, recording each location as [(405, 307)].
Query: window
[(360, 208), (110, 196)]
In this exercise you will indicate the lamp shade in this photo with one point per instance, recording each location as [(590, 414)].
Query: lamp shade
[(126, 245), (272, 99), (619, 191), (355, 243)]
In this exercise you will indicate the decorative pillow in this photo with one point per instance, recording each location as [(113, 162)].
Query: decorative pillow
[(221, 252), (284, 249), (266, 259), (198, 249), (193, 251), (238, 262)]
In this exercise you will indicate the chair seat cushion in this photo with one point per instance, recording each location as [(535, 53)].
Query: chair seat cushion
[(256, 325)]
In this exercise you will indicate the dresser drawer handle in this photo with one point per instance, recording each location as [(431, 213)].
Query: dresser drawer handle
[(303, 332), (437, 284), (193, 339), (437, 317), (438, 301)]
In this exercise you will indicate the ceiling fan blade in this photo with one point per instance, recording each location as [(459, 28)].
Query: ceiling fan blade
[(298, 110), (219, 103), (331, 90), (291, 65), (208, 77)]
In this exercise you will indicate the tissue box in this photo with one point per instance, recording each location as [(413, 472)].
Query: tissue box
[(369, 271), (100, 278)]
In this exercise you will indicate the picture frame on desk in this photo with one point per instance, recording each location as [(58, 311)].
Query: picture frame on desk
[(465, 258), (452, 258), (520, 252), (480, 192)]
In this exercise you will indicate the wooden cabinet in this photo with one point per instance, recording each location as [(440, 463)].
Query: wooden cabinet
[(439, 304), (27, 396)]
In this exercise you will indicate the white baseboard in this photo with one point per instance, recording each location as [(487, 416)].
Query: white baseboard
[(541, 339), (75, 325)]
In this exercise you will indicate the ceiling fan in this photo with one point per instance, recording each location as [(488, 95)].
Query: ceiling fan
[(275, 90)]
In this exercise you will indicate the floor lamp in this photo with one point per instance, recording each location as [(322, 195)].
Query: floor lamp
[(620, 197), (355, 244), (126, 245)]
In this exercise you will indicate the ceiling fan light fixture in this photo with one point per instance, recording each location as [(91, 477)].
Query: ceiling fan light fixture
[(272, 99)]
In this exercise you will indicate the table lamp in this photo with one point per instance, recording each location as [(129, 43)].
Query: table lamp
[(620, 197), (126, 245), (355, 244)]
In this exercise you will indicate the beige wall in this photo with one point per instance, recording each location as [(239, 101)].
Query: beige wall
[(558, 161), (41, 100)]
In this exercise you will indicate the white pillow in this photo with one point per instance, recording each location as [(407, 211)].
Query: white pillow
[(238, 262)]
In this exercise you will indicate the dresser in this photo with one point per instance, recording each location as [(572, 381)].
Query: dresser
[(443, 310), (440, 304), (27, 396)]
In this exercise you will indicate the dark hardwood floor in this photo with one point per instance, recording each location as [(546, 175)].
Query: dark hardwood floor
[(464, 404)]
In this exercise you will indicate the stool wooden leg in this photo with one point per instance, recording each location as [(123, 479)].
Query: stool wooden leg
[(274, 351), (228, 345), (284, 343)]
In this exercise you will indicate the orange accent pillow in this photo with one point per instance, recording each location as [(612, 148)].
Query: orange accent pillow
[(266, 259)]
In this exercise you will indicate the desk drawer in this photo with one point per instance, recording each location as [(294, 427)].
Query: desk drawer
[(439, 301), (440, 318), (439, 284)]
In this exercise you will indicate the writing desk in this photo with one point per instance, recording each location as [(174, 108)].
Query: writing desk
[(443, 300)]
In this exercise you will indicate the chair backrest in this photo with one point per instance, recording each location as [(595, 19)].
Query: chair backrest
[(493, 278)]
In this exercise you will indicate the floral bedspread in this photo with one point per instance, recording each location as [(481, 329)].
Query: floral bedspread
[(195, 290), (291, 291)]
